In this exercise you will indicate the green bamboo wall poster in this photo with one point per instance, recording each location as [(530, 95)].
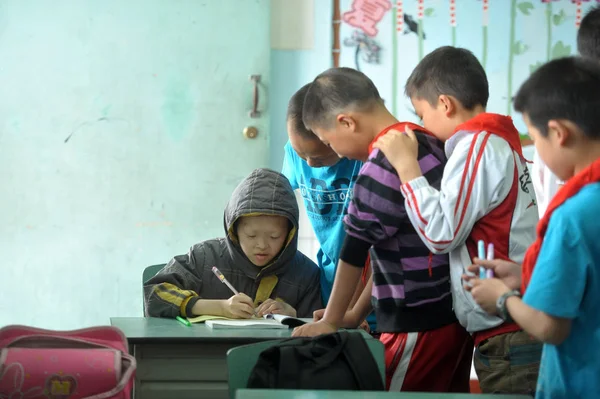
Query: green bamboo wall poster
[(484, 34), (420, 15), (516, 47), (397, 29), (511, 42), (422, 12), (453, 21), (548, 31), (558, 49), (511, 38)]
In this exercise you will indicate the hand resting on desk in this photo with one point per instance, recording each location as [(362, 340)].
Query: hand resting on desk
[(271, 306), (349, 320)]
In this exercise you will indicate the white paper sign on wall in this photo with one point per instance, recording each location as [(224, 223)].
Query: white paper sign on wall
[(292, 24)]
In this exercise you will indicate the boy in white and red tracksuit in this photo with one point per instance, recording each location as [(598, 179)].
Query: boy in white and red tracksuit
[(486, 194)]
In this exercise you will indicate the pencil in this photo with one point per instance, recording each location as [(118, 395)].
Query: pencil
[(490, 256), (481, 255), (221, 277)]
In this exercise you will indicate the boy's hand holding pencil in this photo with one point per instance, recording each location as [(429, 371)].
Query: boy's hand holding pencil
[(508, 272), (239, 306)]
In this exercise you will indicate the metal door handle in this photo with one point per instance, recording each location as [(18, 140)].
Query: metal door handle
[(255, 113), (250, 132)]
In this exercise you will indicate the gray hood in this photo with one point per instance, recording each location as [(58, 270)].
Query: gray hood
[(264, 192)]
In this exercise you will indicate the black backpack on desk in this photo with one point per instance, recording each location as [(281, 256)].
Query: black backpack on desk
[(338, 361)]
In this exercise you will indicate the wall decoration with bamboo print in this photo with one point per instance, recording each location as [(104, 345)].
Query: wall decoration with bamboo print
[(366, 49), (366, 14), (403, 24), (335, 26), (517, 47), (577, 14), (513, 17), (453, 21), (525, 7), (412, 26), (558, 49), (484, 32), (398, 28), (422, 12)]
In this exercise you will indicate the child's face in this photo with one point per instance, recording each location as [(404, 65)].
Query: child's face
[(435, 119), (345, 139), (313, 151), (262, 237), (549, 150)]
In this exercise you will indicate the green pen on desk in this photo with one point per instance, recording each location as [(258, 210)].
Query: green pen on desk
[(183, 321)]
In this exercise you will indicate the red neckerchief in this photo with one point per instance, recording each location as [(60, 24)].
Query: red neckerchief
[(400, 127), (589, 175), (499, 125)]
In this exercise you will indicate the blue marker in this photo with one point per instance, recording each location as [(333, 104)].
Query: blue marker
[(490, 256), (481, 255)]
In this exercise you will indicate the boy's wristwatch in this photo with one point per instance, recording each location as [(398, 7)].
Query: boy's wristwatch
[(501, 304)]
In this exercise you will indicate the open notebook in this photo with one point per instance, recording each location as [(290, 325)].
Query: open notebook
[(270, 321)]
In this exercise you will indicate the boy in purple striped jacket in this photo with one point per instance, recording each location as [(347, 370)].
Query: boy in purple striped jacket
[(426, 349)]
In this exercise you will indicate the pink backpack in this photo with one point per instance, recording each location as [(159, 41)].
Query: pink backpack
[(88, 363)]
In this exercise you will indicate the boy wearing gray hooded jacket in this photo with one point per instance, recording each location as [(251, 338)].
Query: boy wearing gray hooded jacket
[(258, 256)]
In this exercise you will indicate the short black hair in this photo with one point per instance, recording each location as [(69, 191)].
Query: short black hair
[(337, 90), (588, 36), (294, 114), (565, 88), (450, 71)]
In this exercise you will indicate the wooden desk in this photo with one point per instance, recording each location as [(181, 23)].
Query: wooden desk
[(180, 362), (277, 394)]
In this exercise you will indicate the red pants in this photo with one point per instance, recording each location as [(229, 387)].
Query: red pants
[(430, 361)]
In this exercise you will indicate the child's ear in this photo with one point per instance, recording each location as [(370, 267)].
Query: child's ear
[(346, 122), (561, 130), (448, 104)]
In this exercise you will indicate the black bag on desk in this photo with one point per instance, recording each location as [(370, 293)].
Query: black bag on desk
[(338, 361)]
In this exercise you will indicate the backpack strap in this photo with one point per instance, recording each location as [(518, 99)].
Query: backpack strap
[(363, 364)]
